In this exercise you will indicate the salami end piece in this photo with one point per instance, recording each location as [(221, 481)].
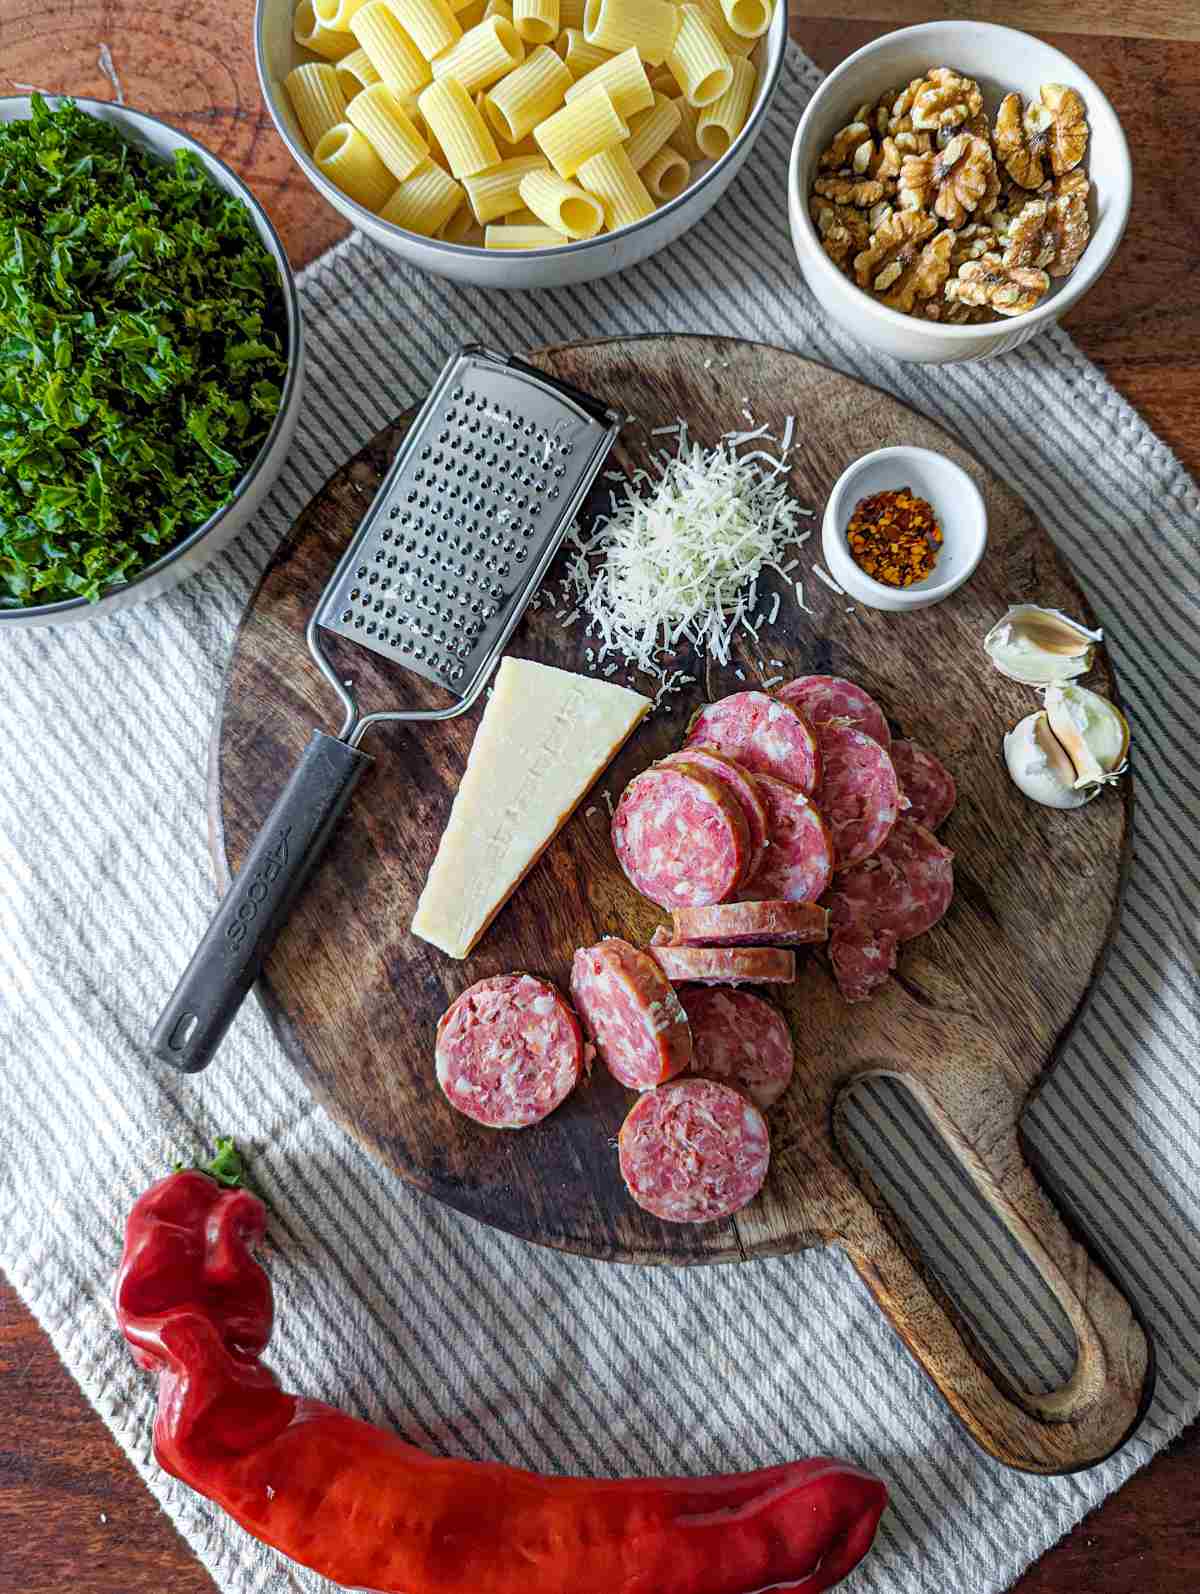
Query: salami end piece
[(694, 1151), (822, 698), (762, 735), (905, 888), (859, 795), (719, 965), (926, 782), (631, 1013), (681, 837), (862, 960), (799, 860), (772, 923), (741, 1040), (509, 1051), (742, 785)]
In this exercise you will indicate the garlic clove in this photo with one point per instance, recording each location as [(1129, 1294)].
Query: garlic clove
[(1037, 645), (1039, 766), (1093, 731)]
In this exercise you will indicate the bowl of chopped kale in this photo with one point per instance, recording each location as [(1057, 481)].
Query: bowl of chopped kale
[(151, 358)]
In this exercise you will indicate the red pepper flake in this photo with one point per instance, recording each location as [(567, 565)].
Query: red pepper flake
[(894, 537)]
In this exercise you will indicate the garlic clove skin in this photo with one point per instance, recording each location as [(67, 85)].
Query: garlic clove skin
[(1038, 646), (1093, 732), (1039, 766)]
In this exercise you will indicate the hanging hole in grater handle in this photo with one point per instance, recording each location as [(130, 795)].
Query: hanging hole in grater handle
[(433, 581)]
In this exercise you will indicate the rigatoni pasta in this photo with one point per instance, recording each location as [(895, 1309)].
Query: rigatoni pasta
[(528, 96), (497, 191), (588, 126), (666, 174), (347, 159), (536, 20), (702, 68), (438, 116), (485, 54), (649, 25), (650, 130), (380, 117), (624, 77), (355, 73), (460, 130), (721, 122), (424, 202), (618, 187), (390, 50), (316, 97), (309, 31), (561, 205)]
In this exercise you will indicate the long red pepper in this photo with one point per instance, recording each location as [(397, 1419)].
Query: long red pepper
[(365, 1509)]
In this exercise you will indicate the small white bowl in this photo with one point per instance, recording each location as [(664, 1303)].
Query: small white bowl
[(204, 542), (956, 502), (276, 53), (1000, 60)]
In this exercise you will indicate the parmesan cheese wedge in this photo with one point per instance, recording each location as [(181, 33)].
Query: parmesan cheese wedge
[(545, 736)]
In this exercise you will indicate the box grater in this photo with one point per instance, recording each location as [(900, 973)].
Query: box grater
[(488, 478)]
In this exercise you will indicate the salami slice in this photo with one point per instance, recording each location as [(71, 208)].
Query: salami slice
[(720, 965), (859, 795), (821, 698), (751, 924), (741, 1040), (509, 1050), (631, 1013), (862, 959), (741, 784), (694, 1151), (926, 782), (905, 888), (681, 837), (799, 860), (762, 735)]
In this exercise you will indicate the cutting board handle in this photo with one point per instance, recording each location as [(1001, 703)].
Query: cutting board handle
[(1060, 1430)]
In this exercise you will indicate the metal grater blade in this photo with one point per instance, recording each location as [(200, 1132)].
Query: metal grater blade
[(489, 476)]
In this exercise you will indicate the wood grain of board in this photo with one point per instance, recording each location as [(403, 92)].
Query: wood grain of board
[(59, 1468), (969, 1023), (1151, 19)]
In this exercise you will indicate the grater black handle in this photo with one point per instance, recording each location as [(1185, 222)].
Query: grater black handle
[(255, 908)]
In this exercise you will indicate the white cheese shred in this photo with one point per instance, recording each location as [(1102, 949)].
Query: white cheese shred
[(823, 575), (678, 559)]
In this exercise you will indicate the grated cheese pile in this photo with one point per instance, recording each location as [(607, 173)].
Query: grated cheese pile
[(679, 558)]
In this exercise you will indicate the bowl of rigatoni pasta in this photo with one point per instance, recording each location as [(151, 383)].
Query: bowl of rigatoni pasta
[(520, 143)]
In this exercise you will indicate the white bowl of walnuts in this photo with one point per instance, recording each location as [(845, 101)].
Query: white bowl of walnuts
[(954, 188)]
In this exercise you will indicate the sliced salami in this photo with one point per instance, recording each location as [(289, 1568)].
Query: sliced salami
[(862, 959), (694, 1151), (741, 784), (905, 888), (859, 795), (751, 924), (631, 1013), (681, 837), (926, 782), (740, 1039), (721, 965), (762, 735), (509, 1050), (821, 698), (799, 861)]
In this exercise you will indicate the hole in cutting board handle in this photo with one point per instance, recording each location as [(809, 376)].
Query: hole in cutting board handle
[(1009, 1316)]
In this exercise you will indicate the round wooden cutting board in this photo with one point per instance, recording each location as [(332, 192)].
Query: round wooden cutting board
[(972, 1019)]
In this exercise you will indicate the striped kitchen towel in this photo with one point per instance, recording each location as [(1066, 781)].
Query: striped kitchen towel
[(464, 1339)]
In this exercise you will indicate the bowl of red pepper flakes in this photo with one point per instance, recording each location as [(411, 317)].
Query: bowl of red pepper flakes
[(904, 528)]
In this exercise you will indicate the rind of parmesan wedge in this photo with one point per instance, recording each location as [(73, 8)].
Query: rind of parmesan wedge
[(544, 737)]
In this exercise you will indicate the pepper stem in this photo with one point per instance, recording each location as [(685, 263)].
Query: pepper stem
[(226, 1167)]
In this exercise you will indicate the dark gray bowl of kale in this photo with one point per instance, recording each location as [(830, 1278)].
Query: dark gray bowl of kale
[(151, 358)]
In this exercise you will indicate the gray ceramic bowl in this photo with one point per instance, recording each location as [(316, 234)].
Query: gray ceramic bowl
[(207, 540)]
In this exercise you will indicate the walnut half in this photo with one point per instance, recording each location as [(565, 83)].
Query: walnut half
[(950, 183), (1008, 290), (1053, 127)]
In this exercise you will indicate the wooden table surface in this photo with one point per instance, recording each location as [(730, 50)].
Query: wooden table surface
[(72, 1511)]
